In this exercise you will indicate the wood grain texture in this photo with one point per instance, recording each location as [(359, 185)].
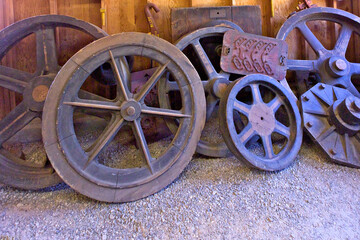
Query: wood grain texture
[(210, 3)]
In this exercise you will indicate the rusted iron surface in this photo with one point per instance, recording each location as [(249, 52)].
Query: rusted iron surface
[(244, 54), (271, 134), (332, 117)]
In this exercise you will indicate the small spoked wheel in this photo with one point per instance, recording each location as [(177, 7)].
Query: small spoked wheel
[(272, 134), (24, 170), (121, 163)]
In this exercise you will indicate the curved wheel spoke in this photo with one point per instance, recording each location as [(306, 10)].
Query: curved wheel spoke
[(16, 120), (119, 73), (282, 129), (105, 138), (46, 55), (276, 103), (343, 40), (256, 93), (140, 138), (350, 86), (211, 102), (268, 148), (162, 112), (242, 107), (87, 103), (13, 79), (140, 96), (205, 61), (311, 38), (246, 134), (302, 65)]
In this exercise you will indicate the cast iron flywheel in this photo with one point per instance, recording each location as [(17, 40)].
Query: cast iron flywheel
[(33, 87)]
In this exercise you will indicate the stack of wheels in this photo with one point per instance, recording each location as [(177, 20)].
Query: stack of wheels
[(330, 104), (120, 163), (265, 134), (16, 170)]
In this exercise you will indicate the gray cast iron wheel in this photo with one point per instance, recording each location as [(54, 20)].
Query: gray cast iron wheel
[(331, 65), (81, 168), (262, 122), (214, 80), (33, 87)]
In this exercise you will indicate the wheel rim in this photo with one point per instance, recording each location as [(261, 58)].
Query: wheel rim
[(214, 81), (33, 88), (331, 65), (262, 122), (125, 110)]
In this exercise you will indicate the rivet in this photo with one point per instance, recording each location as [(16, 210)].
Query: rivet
[(309, 124), (305, 98), (333, 152), (322, 87)]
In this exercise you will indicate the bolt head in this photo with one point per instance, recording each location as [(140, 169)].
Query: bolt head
[(130, 111), (340, 64)]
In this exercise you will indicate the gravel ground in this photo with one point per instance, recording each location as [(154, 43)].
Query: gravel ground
[(212, 199)]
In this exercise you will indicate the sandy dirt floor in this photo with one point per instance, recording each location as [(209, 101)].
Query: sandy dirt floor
[(212, 199)]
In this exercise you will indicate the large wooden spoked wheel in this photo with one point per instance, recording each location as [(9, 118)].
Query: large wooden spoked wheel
[(84, 169), (33, 87)]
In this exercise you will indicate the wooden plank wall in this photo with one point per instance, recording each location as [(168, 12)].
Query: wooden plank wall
[(128, 15)]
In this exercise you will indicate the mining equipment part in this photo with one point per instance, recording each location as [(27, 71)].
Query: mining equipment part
[(152, 24), (245, 54), (332, 118), (272, 134), (33, 87), (84, 168), (331, 65), (203, 48)]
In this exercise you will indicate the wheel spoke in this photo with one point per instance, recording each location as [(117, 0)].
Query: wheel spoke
[(46, 55), (275, 104), (211, 102), (13, 79), (88, 103), (140, 96), (311, 38), (267, 144), (255, 90), (302, 65), (246, 134), (83, 94), (242, 107), (105, 138), (355, 68), (171, 86), (282, 129), (16, 120), (166, 113), (120, 77), (140, 138), (205, 61), (343, 40)]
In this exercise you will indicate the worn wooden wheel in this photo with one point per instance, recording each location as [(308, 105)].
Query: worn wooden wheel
[(95, 170), (33, 88), (331, 66), (202, 48), (272, 135)]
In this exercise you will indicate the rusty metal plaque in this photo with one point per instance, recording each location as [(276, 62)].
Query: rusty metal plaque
[(245, 54)]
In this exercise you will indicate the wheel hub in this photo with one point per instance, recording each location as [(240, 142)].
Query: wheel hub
[(345, 115), (218, 86), (130, 110), (337, 66), (36, 92), (262, 119)]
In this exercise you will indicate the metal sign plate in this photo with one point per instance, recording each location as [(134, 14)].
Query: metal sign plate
[(245, 54)]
